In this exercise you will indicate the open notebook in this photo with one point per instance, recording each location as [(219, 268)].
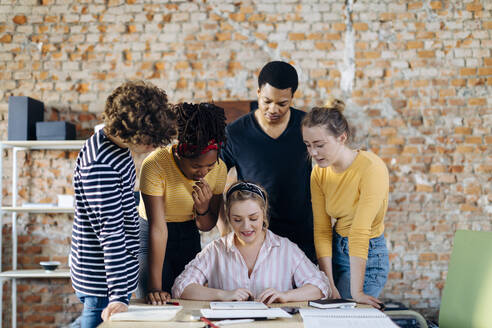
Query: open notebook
[(346, 318), (147, 313)]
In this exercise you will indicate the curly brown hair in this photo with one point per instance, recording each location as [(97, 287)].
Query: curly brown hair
[(137, 112)]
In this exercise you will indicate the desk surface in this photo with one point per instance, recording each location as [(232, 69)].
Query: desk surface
[(294, 322)]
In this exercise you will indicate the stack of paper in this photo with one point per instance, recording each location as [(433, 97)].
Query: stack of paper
[(246, 305), (346, 318), (147, 313), (272, 313)]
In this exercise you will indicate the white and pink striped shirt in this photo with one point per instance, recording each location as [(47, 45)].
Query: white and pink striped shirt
[(280, 265)]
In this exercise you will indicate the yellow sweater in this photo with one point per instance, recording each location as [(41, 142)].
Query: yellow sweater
[(160, 176), (356, 198)]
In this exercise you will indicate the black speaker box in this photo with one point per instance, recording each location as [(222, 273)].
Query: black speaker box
[(24, 112), (57, 130)]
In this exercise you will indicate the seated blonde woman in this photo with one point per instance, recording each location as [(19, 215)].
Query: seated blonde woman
[(251, 262)]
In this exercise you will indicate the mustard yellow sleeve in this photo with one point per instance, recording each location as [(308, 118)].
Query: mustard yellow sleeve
[(323, 233), (374, 186), (221, 178), (151, 180)]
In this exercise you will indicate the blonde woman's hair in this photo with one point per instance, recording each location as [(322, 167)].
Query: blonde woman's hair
[(242, 191)]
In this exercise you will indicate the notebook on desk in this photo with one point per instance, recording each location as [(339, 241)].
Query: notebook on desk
[(147, 313), (346, 318)]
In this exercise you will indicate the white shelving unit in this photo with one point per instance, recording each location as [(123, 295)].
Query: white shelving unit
[(15, 274)]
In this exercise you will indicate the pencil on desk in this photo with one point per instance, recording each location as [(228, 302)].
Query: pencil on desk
[(208, 322)]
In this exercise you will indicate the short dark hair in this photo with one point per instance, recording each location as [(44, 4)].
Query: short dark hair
[(280, 75), (137, 112)]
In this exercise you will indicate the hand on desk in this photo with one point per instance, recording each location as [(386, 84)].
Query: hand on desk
[(367, 299), (240, 294), (112, 308), (157, 297), (334, 292), (270, 295)]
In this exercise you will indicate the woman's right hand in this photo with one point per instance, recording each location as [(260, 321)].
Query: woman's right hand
[(157, 297), (240, 294)]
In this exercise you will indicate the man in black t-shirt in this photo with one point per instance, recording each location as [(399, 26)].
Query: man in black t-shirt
[(266, 147)]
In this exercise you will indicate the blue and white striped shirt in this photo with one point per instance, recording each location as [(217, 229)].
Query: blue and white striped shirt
[(105, 244)]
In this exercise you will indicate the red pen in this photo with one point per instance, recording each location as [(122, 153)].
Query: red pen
[(208, 322), (172, 303)]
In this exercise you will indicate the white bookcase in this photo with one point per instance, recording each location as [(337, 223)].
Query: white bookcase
[(14, 209)]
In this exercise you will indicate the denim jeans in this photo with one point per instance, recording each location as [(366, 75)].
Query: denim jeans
[(183, 243), (377, 266), (93, 307)]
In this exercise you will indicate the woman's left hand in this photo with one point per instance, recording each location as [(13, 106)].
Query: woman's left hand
[(202, 194), (270, 295)]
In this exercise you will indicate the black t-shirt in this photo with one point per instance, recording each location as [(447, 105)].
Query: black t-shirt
[(282, 167)]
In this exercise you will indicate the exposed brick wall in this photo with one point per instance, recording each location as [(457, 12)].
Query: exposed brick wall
[(416, 76)]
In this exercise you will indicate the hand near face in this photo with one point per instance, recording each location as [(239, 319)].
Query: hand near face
[(112, 308), (202, 194), (270, 295), (240, 294)]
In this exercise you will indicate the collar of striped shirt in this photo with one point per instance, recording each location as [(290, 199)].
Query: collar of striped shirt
[(270, 241)]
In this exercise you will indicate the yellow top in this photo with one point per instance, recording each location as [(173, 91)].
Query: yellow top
[(160, 176), (356, 198)]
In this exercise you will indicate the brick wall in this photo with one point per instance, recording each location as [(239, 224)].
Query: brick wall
[(416, 76)]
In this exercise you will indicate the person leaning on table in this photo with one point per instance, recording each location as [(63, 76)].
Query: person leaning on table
[(181, 187), (105, 240), (251, 262), (350, 186)]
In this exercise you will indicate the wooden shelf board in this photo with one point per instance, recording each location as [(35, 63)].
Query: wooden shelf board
[(59, 273), (42, 144), (26, 209)]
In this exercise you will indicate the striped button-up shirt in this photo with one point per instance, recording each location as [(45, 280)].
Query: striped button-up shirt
[(280, 265), (105, 230)]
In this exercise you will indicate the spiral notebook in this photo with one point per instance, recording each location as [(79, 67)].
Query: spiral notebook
[(346, 318)]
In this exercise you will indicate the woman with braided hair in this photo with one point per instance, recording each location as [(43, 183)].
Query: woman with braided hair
[(181, 187)]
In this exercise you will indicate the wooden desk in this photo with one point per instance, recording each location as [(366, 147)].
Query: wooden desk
[(294, 322)]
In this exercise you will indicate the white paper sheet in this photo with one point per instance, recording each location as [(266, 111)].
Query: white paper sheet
[(346, 318), (147, 313), (343, 313), (240, 314), (247, 305), (323, 322)]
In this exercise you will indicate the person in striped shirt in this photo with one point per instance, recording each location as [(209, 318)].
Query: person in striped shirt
[(181, 187), (251, 262), (105, 234)]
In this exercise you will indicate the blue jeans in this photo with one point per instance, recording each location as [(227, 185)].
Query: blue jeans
[(377, 266), (93, 307)]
